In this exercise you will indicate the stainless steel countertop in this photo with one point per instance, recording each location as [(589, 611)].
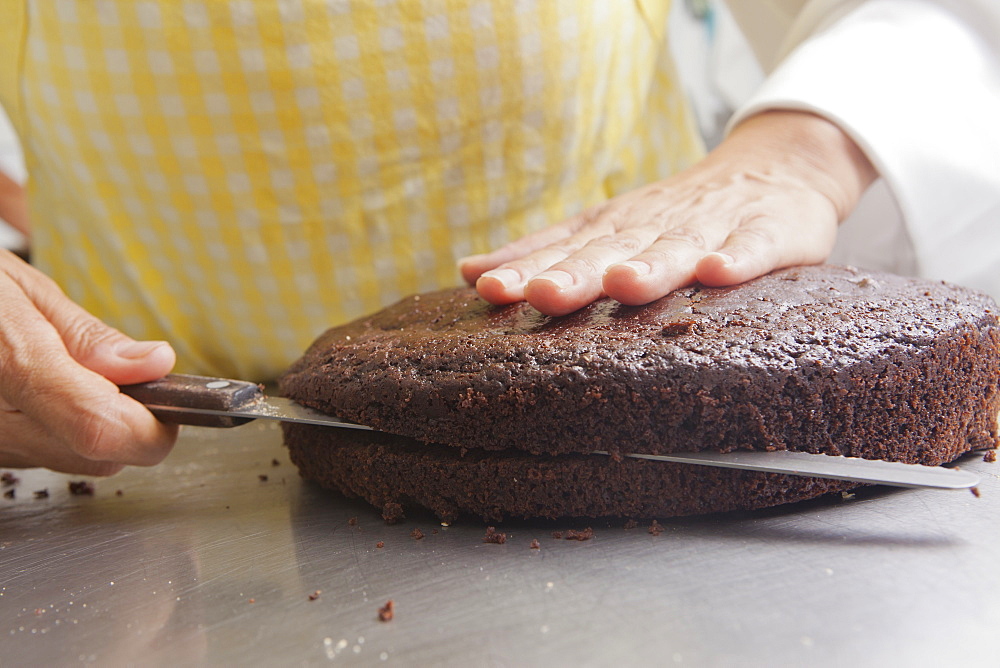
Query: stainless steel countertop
[(165, 574)]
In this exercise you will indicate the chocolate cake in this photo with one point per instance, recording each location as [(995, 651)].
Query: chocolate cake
[(494, 410)]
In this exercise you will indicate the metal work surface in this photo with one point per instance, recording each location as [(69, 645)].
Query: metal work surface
[(201, 561)]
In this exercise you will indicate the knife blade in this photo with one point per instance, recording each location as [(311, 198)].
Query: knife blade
[(221, 402), (225, 402)]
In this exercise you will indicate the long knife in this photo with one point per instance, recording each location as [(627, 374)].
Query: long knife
[(224, 402)]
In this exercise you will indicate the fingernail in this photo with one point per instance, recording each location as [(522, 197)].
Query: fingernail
[(134, 350), (506, 277), (560, 279), (726, 259), (468, 258), (640, 268)]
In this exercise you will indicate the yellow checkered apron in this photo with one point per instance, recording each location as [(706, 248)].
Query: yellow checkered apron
[(235, 176)]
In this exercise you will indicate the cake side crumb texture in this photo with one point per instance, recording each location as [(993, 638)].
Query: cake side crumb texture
[(819, 359), (384, 470)]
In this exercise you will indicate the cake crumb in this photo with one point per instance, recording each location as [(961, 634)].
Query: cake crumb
[(990, 456), (416, 534), (631, 524), (975, 491), (353, 522), (118, 492), (494, 536), (9, 494), (313, 596), (7, 479), (81, 488), (41, 493), (557, 535), (677, 328), (392, 512), (262, 477), (535, 545), (847, 496), (252, 600), (655, 528), (586, 534), (380, 544), (387, 611), (275, 462)]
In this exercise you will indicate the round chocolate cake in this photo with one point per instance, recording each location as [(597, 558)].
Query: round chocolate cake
[(493, 410)]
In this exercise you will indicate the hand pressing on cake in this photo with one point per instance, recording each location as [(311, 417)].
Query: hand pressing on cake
[(59, 374), (770, 196)]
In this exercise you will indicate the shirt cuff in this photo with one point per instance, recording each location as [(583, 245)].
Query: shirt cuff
[(918, 89)]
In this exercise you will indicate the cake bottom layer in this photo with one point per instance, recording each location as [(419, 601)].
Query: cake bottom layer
[(395, 474)]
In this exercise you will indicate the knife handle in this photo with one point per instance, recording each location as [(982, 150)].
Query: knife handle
[(204, 392)]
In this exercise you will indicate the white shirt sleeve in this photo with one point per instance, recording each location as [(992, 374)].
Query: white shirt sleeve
[(916, 83)]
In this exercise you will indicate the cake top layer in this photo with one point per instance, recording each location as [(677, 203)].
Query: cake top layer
[(825, 314), (825, 359)]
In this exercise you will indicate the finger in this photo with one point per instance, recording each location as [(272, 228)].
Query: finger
[(667, 264), (473, 266), (506, 282), (79, 408), (89, 341), (765, 244), (576, 281), (25, 444)]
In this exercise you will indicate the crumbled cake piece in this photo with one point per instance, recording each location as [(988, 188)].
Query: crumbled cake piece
[(81, 488), (655, 528), (990, 456), (494, 536), (7, 479), (535, 545), (392, 513), (313, 596), (585, 534), (387, 611), (416, 534)]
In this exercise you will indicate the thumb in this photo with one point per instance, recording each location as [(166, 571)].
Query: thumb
[(123, 360), (95, 345), (117, 357)]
